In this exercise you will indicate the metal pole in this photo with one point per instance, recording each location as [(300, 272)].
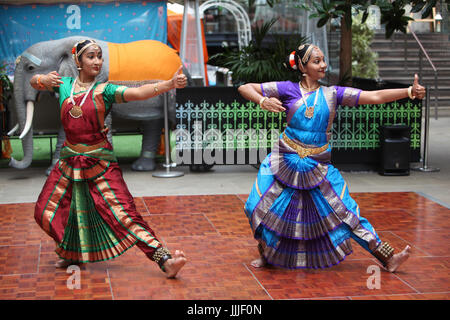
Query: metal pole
[(184, 33), (425, 166), (199, 42), (420, 64), (435, 95), (405, 53), (167, 173)]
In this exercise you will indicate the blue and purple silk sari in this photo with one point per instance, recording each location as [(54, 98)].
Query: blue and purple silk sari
[(299, 208)]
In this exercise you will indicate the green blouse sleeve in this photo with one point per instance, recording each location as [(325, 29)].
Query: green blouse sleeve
[(64, 89), (113, 94)]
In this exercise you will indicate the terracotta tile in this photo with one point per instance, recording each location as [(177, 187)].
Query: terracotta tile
[(415, 296), (231, 223), (166, 225), (53, 286), (141, 207), (192, 204), (194, 282), (347, 278), (427, 274), (428, 242), (17, 225), (412, 202), (206, 251), (243, 197), (19, 259), (391, 219), (215, 234)]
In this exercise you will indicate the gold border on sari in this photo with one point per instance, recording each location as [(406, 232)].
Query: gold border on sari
[(80, 174), (303, 152), (121, 215), (83, 148), (270, 89), (301, 259), (330, 98), (350, 97), (338, 206), (53, 203)]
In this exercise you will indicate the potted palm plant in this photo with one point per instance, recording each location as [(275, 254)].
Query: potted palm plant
[(262, 59)]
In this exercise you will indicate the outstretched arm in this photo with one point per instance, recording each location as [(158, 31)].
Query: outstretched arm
[(252, 92), (179, 80), (46, 81), (388, 95)]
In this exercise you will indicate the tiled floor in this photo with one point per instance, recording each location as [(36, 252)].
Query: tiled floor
[(216, 237)]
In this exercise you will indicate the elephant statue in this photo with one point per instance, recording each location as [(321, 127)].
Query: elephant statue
[(130, 64)]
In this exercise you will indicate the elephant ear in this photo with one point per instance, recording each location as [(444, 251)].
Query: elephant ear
[(67, 67)]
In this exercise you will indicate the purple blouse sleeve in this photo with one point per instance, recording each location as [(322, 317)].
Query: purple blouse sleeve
[(282, 90), (347, 96), (270, 89)]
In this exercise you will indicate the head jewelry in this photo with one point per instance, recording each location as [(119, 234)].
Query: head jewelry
[(86, 44), (306, 52)]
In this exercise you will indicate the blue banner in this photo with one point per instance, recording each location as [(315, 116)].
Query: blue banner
[(25, 25)]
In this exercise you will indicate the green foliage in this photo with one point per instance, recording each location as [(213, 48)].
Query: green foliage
[(392, 11), (364, 60), (326, 10), (258, 62), (5, 83), (393, 16)]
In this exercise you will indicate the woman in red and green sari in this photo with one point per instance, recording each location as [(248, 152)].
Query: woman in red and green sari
[(85, 205)]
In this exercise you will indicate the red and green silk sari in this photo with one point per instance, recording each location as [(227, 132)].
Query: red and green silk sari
[(85, 205)]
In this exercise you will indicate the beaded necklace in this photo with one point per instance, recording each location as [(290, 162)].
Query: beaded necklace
[(76, 111)]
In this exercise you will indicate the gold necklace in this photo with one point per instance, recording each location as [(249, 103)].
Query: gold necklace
[(309, 111), (307, 88), (83, 85), (76, 111)]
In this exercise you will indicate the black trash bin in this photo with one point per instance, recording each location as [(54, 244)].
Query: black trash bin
[(395, 150)]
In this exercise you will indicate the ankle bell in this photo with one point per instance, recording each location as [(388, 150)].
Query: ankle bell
[(383, 252), (160, 256)]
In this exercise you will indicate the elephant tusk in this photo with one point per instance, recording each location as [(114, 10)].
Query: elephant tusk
[(29, 119), (11, 132)]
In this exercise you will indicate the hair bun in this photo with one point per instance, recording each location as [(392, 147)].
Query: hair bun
[(291, 61)]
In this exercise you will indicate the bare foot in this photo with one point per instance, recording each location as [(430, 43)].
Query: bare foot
[(258, 263), (398, 259), (61, 263), (174, 264)]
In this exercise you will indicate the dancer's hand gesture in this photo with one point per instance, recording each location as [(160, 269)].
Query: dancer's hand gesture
[(179, 80), (272, 104), (417, 90)]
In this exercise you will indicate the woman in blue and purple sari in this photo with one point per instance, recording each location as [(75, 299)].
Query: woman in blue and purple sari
[(299, 208)]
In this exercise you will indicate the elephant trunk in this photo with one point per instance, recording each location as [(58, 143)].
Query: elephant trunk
[(24, 112), (27, 146)]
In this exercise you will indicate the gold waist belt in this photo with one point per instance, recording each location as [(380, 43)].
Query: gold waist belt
[(82, 148), (302, 151)]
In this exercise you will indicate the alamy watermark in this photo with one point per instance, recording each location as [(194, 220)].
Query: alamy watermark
[(74, 280), (374, 280), (231, 146)]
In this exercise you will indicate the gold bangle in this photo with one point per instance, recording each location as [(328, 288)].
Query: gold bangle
[(262, 101), (410, 93), (155, 88)]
